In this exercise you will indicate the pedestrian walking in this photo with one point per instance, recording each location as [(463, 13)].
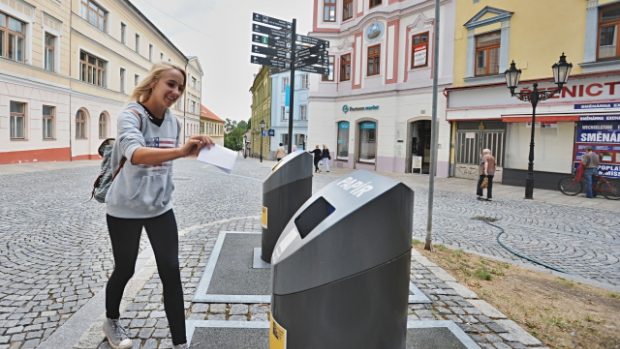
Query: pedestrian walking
[(280, 152), (325, 157), (140, 197), (318, 155), (486, 172), (589, 161)]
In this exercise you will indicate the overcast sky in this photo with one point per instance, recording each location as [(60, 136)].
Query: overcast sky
[(219, 33)]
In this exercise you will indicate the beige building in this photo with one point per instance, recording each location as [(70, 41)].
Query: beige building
[(212, 125), (67, 67)]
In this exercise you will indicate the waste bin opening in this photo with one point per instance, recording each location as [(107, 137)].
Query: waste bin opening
[(312, 216)]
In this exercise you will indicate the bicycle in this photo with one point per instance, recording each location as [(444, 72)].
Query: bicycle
[(573, 185)]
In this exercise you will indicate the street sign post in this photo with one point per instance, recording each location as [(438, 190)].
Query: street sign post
[(280, 53)]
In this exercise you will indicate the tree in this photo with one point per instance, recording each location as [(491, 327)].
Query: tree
[(230, 125), (233, 139)]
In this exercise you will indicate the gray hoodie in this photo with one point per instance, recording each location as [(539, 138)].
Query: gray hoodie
[(141, 191)]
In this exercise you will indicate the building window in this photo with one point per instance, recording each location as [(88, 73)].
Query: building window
[(608, 38), (373, 3), (487, 54), (18, 120), (342, 143), (367, 141), (303, 112), (374, 60), (283, 115), (92, 69), (137, 42), (300, 140), (123, 33), (80, 125), (193, 106), (284, 84), (136, 79), (12, 39), (284, 139), (103, 126), (329, 10), (122, 80), (347, 9), (50, 52), (345, 67), (48, 117), (94, 14), (150, 52), (303, 81), (330, 73), (419, 50)]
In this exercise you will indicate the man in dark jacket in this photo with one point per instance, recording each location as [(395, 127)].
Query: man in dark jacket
[(318, 155)]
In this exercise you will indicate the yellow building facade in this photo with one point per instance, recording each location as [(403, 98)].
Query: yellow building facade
[(261, 111), (67, 69), (489, 35)]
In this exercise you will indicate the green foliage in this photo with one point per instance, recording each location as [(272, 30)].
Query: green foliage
[(233, 139), (483, 274)]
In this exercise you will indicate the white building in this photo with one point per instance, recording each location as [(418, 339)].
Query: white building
[(280, 110), (374, 110)]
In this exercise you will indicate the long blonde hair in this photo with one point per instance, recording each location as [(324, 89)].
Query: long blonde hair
[(143, 91)]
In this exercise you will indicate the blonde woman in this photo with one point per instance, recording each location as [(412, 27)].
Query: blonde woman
[(140, 196)]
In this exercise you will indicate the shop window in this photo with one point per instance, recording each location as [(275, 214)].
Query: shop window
[(608, 38), (18, 120), (345, 67), (419, 50), (342, 143), (374, 60), (49, 121), (80, 125), (347, 9), (330, 74), (367, 141), (103, 126), (487, 54), (329, 10)]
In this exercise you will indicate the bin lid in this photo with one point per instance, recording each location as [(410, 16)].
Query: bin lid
[(293, 167), (355, 223)]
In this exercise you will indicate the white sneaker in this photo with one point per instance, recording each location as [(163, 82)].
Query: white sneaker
[(116, 334)]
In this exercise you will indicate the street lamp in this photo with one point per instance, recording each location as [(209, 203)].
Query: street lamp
[(262, 129), (561, 70), (245, 146)]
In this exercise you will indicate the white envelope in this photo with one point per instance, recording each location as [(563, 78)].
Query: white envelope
[(218, 156)]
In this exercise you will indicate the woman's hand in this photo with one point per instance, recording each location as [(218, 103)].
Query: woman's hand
[(195, 143)]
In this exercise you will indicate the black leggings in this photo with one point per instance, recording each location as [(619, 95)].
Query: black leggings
[(163, 235)]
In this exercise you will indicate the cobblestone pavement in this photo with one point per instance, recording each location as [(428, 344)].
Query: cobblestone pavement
[(55, 254)]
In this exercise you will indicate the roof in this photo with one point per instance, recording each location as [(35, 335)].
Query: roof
[(208, 114)]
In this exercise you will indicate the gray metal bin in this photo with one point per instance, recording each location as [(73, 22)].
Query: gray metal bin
[(341, 267), (288, 186)]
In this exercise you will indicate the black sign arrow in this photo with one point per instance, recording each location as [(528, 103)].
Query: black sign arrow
[(310, 40), (269, 61), (282, 54), (315, 69), (270, 31), (310, 61), (265, 40), (308, 51), (257, 17)]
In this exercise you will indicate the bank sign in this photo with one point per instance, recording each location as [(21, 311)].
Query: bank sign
[(602, 133), (347, 108)]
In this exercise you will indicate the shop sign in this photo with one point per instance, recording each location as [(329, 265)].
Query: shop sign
[(347, 108), (599, 118), (597, 106), (604, 138)]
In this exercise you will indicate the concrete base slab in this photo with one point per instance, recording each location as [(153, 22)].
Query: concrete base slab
[(254, 335), (235, 273)]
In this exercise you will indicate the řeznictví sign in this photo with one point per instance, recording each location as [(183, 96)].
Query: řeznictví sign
[(347, 108)]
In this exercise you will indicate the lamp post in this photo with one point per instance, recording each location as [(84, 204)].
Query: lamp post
[(561, 70), (262, 129), (245, 146)]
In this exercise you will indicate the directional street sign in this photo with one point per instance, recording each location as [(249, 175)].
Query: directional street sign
[(269, 61), (282, 54), (257, 17), (315, 69), (310, 40), (257, 28), (308, 51), (265, 40), (309, 61)]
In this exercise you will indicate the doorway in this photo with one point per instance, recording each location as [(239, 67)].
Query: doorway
[(419, 149)]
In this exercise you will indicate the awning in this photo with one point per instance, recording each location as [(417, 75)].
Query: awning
[(540, 118)]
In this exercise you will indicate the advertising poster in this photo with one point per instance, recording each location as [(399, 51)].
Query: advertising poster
[(602, 132)]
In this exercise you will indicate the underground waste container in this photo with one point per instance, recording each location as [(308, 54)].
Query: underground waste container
[(340, 270), (286, 188)]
